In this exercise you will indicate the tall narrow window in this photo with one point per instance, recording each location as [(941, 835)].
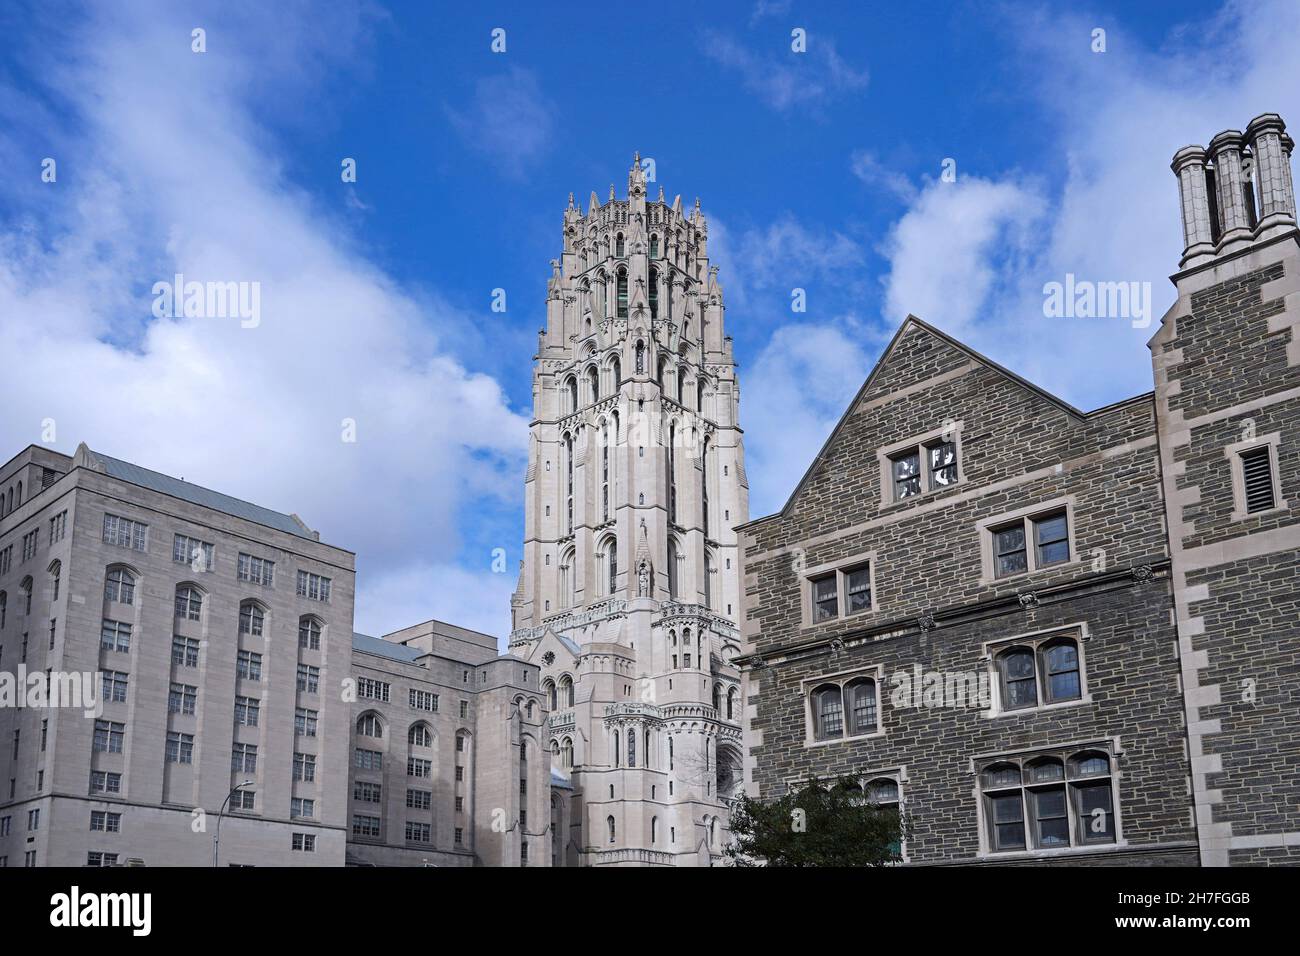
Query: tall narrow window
[(631, 748), (828, 712), (654, 247), (640, 358), (622, 293), (604, 471), (572, 386), (568, 467), (612, 547), (704, 486), (654, 294), (708, 580), (672, 472), (672, 569), (593, 383), (907, 474), (619, 250)]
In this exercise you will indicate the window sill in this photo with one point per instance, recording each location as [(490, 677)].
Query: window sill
[(1033, 573), (811, 742), (1247, 515), (1041, 854), (1041, 708), (929, 495), (838, 619)]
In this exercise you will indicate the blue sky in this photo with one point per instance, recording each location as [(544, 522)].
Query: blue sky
[(818, 170)]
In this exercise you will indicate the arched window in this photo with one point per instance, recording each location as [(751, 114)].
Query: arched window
[(566, 752), (566, 579), (309, 634), (861, 696), (609, 823), (731, 703), (1019, 682), (548, 688), (56, 574), (717, 697), (369, 725), (640, 358), (654, 246), (622, 293), (4, 607), (616, 372), (828, 712), (27, 586), (568, 468), (631, 748), (20, 493), (654, 830), (611, 547), (699, 396), (555, 750), (189, 603), (660, 372), (571, 384), (566, 691), (619, 249), (713, 832), (420, 735), (593, 382), (251, 619), (681, 385), (654, 293), (728, 772), (120, 586)]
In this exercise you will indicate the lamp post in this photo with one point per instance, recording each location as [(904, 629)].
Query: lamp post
[(216, 838)]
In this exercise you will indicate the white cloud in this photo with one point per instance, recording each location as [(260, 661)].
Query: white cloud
[(868, 168), (784, 79), (782, 255), (947, 250), (177, 177), (509, 120), (973, 261), (792, 397)]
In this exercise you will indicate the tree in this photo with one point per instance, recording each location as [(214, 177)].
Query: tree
[(821, 824)]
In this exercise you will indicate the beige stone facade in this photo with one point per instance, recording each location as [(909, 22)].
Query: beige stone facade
[(628, 591)]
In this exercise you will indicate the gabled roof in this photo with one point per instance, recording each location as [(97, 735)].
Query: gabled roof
[(195, 494), (913, 322)]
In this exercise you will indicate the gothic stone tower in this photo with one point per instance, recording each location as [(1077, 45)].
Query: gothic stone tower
[(1227, 370), (628, 590)]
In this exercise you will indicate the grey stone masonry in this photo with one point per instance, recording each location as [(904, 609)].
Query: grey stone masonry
[(937, 606)]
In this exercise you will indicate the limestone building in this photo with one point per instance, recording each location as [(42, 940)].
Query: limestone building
[(216, 639), (216, 634), (448, 765), (1049, 635), (628, 589)]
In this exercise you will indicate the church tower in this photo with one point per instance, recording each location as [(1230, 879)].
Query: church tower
[(628, 590)]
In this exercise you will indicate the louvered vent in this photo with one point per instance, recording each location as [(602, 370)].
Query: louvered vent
[(1257, 476)]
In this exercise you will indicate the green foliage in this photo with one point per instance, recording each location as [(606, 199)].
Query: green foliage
[(821, 824)]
